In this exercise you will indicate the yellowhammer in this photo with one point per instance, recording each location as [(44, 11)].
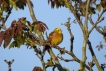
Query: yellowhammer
[(55, 37)]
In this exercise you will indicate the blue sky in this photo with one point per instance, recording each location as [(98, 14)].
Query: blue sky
[(26, 60)]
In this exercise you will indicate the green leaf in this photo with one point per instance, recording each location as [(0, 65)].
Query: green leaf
[(12, 44), (19, 41), (13, 4), (98, 7)]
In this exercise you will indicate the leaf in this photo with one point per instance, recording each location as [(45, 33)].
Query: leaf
[(19, 41), (37, 69), (98, 7), (18, 29), (52, 4), (7, 38), (30, 42), (1, 37), (13, 4), (12, 44), (41, 26)]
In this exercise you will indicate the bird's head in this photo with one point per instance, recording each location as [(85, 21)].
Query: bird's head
[(58, 30)]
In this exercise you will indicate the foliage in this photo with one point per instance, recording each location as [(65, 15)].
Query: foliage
[(23, 32)]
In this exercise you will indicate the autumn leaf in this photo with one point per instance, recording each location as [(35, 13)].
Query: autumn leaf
[(98, 7), (7, 38), (37, 69), (1, 37)]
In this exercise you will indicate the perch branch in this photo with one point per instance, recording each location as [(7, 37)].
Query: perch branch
[(55, 59)]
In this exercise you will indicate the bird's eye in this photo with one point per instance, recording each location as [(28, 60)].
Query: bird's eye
[(57, 30)]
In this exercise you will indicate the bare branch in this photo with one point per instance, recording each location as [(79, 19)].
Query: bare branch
[(94, 56), (7, 16), (97, 21), (72, 54), (71, 35), (55, 59), (66, 60), (31, 11), (9, 64), (86, 14), (75, 13), (40, 57)]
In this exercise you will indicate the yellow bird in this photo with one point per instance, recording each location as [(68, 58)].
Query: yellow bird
[(55, 37)]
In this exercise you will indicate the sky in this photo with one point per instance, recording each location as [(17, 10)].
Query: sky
[(26, 60)]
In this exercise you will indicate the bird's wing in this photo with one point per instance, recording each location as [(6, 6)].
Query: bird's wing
[(50, 36)]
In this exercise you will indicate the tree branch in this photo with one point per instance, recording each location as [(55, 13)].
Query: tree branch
[(74, 11), (94, 56), (31, 11), (86, 14), (66, 60), (72, 54), (55, 59), (40, 57), (85, 34), (97, 21), (43, 63), (5, 19), (67, 24)]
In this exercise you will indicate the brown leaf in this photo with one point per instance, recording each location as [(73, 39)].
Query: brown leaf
[(13, 23), (18, 29), (48, 1), (22, 19), (41, 26), (7, 38), (52, 4), (1, 37), (21, 3), (37, 69)]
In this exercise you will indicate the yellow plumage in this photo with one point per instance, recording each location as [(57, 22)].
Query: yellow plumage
[(55, 37)]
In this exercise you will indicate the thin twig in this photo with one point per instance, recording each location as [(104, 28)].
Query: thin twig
[(7, 16), (97, 21), (66, 60), (5, 19), (71, 35), (9, 64), (90, 48), (42, 61), (74, 11), (40, 57), (72, 54)]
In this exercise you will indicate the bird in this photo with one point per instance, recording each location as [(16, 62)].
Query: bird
[(55, 37)]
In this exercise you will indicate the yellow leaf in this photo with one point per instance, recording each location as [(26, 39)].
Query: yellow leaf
[(13, 4), (98, 7)]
